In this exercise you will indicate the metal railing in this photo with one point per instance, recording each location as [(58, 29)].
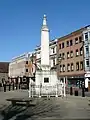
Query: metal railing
[(39, 91)]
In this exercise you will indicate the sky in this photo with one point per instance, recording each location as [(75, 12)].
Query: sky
[(21, 21)]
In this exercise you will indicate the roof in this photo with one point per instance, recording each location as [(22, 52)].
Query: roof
[(73, 33), (4, 67)]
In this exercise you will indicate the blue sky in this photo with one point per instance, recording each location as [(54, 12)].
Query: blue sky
[(21, 20)]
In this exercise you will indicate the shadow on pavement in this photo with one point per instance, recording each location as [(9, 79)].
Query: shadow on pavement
[(10, 111), (21, 112)]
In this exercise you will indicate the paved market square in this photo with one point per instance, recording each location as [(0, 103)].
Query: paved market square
[(54, 108)]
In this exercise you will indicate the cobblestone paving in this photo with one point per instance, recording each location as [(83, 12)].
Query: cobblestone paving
[(53, 108)]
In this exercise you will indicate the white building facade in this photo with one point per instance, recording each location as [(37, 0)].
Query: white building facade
[(86, 41), (20, 66), (52, 53)]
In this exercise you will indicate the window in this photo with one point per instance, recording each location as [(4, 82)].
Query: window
[(77, 52), (67, 43), (59, 46), (71, 54), (87, 50), (26, 70), (60, 68), (53, 50), (72, 68), (76, 40), (26, 62), (46, 80), (80, 39), (68, 67), (60, 55), (68, 55), (87, 62), (81, 50), (71, 42), (81, 65), (63, 68), (53, 62), (86, 36), (62, 45), (32, 69), (63, 55), (77, 66)]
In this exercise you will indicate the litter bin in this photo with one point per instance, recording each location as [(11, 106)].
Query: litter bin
[(76, 93), (83, 91), (71, 91)]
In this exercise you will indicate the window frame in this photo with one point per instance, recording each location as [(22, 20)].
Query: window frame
[(71, 67), (27, 70), (76, 40), (77, 51), (71, 43), (68, 65), (77, 64), (46, 79)]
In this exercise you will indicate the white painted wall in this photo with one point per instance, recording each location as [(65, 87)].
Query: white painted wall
[(52, 75), (86, 56)]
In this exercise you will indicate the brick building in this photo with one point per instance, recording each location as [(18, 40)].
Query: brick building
[(71, 52)]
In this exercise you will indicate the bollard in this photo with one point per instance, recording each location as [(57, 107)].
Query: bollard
[(4, 87), (13, 86), (71, 91), (9, 87), (76, 93), (19, 86)]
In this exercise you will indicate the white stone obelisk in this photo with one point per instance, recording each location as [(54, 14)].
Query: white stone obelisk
[(44, 43)]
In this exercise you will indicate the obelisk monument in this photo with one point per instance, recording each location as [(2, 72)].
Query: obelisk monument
[(44, 43)]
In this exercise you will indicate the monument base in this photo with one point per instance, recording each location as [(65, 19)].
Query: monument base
[(46, 82)]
